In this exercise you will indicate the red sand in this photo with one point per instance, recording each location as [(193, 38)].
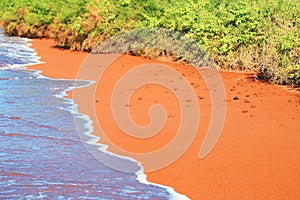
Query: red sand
[(257, 156)]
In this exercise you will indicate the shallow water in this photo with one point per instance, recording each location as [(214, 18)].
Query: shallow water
[(41, 154)]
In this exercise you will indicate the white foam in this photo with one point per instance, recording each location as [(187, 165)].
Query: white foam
[(73, 109), (141, 176)]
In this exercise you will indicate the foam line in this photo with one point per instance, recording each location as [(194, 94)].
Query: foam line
[(93, 140)]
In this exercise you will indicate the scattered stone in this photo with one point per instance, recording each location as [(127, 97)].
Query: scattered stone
[(140, 98), (252, 115), (236, 98), (200, 97), (253, 106), (96, 101), (247, 95), (244, 111)]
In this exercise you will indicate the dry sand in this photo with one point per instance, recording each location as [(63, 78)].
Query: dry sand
[(257, 155)]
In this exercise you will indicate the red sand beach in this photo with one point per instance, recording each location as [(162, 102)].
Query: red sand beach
[(257, 155)]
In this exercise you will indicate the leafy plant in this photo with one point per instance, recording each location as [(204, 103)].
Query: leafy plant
[(257, 35)]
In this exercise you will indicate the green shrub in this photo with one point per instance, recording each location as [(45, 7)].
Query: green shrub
[(257, 35)]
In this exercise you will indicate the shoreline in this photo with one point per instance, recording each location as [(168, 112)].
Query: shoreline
[(43, 69), (253, 157)]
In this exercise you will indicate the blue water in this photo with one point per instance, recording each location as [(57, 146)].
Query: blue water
[(41, 154)]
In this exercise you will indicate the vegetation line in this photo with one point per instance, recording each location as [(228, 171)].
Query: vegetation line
[(258, 35)]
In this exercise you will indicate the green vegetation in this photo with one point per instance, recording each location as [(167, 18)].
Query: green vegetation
[(258, 35)]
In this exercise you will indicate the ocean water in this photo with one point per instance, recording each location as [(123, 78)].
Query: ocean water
[(41, 153)]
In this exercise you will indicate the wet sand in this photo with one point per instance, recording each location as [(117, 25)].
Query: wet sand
[(257, 155)]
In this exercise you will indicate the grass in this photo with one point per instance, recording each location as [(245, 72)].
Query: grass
[(259, 35)]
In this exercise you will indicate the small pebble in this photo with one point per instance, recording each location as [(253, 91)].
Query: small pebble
[(236, 98), (244, 111)]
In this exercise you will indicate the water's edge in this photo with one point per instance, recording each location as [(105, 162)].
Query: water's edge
[(73, 109)]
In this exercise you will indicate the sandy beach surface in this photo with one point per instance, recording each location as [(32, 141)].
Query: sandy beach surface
[(257, 155)]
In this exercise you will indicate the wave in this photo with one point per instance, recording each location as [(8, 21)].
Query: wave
[(87, 137)]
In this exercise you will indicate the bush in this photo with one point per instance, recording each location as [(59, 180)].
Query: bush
[(259, 35)]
